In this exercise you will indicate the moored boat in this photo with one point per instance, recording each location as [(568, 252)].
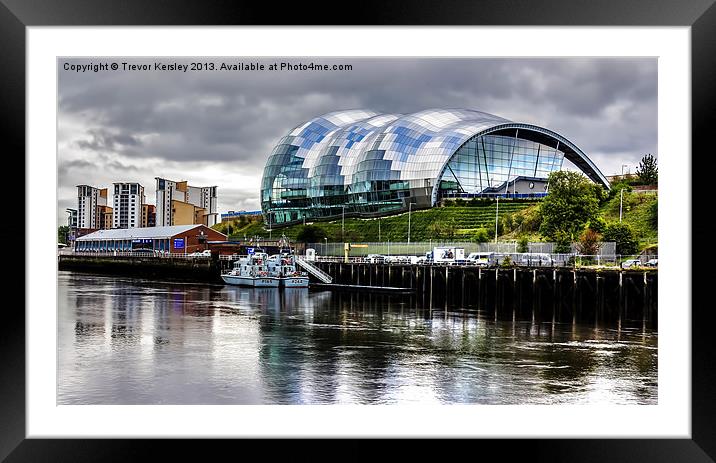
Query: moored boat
[(284, 267), (252, 270)]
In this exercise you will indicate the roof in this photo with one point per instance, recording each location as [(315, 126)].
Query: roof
[(344, 148), (141, 233)]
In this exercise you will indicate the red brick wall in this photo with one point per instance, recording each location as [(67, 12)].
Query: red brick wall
[(191, 240)]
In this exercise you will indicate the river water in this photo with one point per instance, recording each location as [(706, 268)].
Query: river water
[(129, 341)]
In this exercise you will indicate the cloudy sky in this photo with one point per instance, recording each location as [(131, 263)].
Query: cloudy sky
[(218, 127)]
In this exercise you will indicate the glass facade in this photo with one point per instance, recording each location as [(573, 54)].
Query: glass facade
[(486, 163), (363, 163)]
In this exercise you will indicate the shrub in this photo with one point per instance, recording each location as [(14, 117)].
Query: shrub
[(598, 224), (507, 262), (589, 242), (310, 234), (481, 235), (508, 223), (523, 244), (623, 236), (562, 243), (654, 215)]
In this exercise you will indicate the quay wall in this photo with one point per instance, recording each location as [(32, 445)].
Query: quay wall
[(559, 294), (186, 269)]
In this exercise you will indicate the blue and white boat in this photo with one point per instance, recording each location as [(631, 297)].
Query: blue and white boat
[(252, 270)]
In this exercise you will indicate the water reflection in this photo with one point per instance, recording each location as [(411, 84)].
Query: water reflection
[(126, 341)]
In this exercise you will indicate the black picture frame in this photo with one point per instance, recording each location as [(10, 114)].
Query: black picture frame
[(700, 15)]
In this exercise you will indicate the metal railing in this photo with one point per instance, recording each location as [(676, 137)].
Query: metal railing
[(143, 254), (313, 270), (420, 248), (519, 260)]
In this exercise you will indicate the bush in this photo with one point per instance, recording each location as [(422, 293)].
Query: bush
[(617, 187), (481, 235), (479, 202), (623, 236), (508, 223), (562, 243), (589, 242), (654, 215), (310, 234), (507, 262), (523, 244), (598, 224), (531, 220)]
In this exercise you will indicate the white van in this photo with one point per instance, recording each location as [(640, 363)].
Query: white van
[(481, 259)]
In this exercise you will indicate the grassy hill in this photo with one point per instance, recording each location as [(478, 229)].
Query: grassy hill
[(459, 223), (637, 213)]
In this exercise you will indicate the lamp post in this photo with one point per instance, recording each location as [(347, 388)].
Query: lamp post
[(379, 229), (325, 245), (343, 221), (621, 200), (497, 212)]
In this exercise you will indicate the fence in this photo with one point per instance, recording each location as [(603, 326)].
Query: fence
[(143, 254), (520, 260), (422, 247)]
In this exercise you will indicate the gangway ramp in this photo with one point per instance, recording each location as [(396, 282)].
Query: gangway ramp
[(313, 270)]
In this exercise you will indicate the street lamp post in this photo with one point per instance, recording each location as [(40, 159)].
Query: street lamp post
[(325, 245), (497, 213), (379, 229), (621, 200)]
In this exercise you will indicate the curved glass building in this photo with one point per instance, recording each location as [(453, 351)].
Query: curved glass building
[(363, 163)]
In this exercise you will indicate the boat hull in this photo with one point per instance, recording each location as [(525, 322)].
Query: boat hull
[(294, 282), (256, 282)]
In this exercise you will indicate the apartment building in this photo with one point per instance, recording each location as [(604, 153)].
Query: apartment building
[(179, 203), (127, 201)]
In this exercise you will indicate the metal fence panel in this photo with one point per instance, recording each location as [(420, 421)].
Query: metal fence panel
[(420, 248)]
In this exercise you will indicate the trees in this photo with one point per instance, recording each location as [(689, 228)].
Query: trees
[(310, 234), (623, 235), (588, 244), (571, 203), (62, 232), (647, 170)]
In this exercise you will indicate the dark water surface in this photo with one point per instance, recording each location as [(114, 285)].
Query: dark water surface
[(124, 341)]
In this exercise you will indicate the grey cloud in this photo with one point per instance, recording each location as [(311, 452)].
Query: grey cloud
[(103, 140), (607, 106)]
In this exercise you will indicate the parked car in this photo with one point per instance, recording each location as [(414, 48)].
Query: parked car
[(535, 259), (652, 263), (399, 259), (375, 258), (205, 253), (629, 263)]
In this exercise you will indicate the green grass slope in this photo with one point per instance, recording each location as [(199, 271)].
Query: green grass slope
[(456, 223), (637, 213)]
